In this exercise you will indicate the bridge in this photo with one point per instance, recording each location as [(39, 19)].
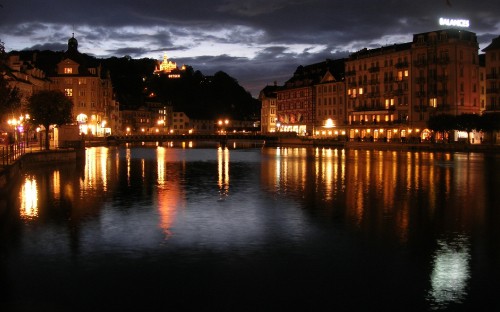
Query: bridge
[(221, 139)]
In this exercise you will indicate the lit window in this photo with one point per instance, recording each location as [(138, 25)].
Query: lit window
[(360, 90), (433, 102), (68, 70), (400, 75), (68, 92)]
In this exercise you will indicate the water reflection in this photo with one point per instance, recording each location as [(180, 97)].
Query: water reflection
[(169, 194), (451, 272), (29, 198), (223, 172), (351, 223)]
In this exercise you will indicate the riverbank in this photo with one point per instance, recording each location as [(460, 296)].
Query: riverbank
[(36, 157)]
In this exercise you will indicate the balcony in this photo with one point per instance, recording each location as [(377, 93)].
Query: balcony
[(420, 63), (420, 80), (492, 91), (373, 94), (442, 93), (402, 64), (442, 78), (374, 69), (492, 76), (443, 60), (420, 108), (374, 108)]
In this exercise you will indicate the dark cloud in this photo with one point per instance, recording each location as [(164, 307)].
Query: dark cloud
[(255, 41)]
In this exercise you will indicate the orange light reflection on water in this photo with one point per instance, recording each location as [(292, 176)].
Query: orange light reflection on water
[(29, 199)]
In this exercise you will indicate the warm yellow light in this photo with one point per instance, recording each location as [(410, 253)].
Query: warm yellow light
[(329, 123)]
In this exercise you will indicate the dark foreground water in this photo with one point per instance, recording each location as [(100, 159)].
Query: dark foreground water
[(272, 229)]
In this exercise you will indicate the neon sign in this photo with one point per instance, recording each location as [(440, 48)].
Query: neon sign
[(454, 22)]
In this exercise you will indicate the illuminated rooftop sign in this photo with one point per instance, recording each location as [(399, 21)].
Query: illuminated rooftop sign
[(454, 22)]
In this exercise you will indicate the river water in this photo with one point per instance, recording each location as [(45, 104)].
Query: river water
[(253, 229)]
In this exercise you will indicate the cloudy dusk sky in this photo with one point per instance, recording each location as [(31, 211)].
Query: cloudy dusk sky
[(255, 41)]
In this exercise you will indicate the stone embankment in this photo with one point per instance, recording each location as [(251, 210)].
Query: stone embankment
[(35, 158)]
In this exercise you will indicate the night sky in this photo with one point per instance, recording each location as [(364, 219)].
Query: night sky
[(255, 41)]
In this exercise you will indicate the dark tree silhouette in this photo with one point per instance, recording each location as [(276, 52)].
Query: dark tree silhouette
[(10, 97), (48, 108)]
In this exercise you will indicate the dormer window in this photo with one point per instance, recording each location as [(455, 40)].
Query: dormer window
[(68, 70)]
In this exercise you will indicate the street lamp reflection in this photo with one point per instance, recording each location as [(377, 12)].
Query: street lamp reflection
[(29, 199)]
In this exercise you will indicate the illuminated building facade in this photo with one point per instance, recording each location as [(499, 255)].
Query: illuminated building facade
[(90, 89), (378, 90), (151, 118), (389, 93), (492, 69), (24, 75), (268, 109), (296, 100), (330, 105), (445, 74), (169, 68)]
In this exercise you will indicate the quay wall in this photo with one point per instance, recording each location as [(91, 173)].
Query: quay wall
[(11, 172)]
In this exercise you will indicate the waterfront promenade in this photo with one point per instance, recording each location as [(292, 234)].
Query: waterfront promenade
[(14, 157)]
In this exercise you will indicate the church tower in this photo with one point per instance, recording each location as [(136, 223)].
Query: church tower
[(72, 44)]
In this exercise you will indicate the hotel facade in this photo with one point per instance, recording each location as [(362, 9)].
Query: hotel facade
[(389, 93)]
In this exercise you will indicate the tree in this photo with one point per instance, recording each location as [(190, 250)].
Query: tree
[(468, 123), (50, 107), (10, 97), (442, 123)]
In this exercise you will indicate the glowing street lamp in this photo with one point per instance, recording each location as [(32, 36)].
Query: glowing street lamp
[(222, 124)]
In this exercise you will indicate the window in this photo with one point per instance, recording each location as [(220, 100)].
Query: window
[(82, 81), (68, 70), (433, 102), (68, 92)]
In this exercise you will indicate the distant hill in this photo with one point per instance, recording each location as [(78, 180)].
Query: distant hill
[(199, 96)]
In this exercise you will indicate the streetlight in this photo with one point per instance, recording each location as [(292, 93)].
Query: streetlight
[(222, 124)]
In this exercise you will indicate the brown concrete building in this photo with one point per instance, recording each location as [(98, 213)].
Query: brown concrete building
[(90, 89), (331, 109), (378, 91), (296, 100), (492, 68), (390, 92), (445, 74), (268, 115)]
